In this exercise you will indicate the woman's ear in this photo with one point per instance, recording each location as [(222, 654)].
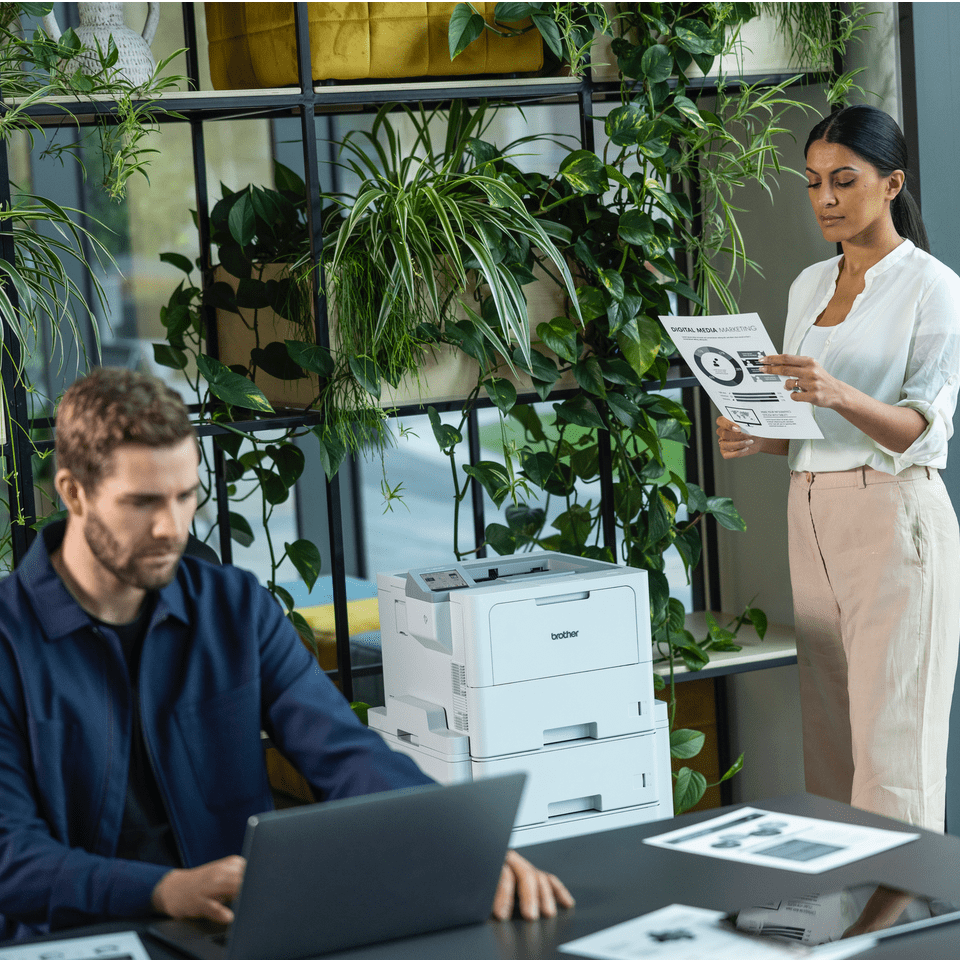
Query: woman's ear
[(895, 183)]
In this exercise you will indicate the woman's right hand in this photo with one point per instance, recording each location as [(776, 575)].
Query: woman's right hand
[(734, 442)]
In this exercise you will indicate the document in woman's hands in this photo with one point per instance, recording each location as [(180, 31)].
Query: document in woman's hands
[(724, 353)]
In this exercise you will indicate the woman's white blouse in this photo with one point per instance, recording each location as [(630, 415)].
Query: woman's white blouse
[(900, 343)]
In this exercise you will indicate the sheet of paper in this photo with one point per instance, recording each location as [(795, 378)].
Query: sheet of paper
[(111, 946), (781, 840), (724, 353), (691, 933)]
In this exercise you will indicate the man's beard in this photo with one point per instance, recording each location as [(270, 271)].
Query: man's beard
[(108, 552)]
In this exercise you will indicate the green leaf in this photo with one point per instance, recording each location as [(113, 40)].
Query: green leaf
[(366, 373), (242, 221), (759, 620), (688, 790), (639, 340), (177, 260), (688, 109), (274, 359), (252, 294), (550, 31), (726, 514), (698, 38), (286, 179), (303, 628), (560, 335), (230, 387), (538, 466), (289, 461), (465, 26), (272, 487), (587, 373), (514, 12), (624, 409), (613, 281), (626, 125), (447, 436), (240, 529), (168, 356), (311, 357), (332, 452), (735, 768), (685, 744), (500, 538), (637, 227), (580, 410), (306, 558), (657, 63), (502, 392), (584, 171), (492, 477)]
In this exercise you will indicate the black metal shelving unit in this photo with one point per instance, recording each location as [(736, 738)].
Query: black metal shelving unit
[(308, 102)]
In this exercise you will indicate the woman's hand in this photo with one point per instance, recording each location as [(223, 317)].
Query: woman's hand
[(807, 381), (733, 441), (893, 427)]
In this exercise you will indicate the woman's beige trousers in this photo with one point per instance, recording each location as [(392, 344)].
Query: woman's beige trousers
[(875, 569)]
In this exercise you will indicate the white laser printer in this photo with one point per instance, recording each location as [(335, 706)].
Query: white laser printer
[(539, 662)]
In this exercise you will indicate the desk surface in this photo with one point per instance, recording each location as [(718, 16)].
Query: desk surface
[(616, 877)]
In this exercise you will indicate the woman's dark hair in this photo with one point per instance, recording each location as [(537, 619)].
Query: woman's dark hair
[(875, 137)]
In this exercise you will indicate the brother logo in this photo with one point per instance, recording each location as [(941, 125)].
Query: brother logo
[(564, 635)]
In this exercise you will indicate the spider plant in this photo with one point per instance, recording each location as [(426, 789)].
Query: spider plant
[(435, 244)]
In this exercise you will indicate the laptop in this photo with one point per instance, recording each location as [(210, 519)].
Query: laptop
[(344, 873)]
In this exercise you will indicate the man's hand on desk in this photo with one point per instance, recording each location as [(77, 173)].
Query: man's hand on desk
[(201, 891), (204, 891), (539, 893)]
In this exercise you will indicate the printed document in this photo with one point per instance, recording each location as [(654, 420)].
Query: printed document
[(110, 946), (724, 353), (781, 840), (678, 932)]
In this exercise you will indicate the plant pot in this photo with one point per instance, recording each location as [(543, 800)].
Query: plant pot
[(447, 373), (253, 45), (763, 51)]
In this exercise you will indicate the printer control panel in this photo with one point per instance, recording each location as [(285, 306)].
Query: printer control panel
[(441, 580)]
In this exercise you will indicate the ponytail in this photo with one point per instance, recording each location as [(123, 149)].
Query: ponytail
[(907, 220)]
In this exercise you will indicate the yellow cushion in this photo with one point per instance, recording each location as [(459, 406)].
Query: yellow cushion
[(254, 45)]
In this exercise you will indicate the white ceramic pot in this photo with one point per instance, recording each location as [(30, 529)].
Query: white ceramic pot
[(101, 21)]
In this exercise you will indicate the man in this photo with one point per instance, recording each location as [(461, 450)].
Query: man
[(134, 683)]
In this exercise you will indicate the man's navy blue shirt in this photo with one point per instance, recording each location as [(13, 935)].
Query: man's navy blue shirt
[(219, 663)]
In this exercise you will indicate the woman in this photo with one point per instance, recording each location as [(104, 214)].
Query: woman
[(872, 342)]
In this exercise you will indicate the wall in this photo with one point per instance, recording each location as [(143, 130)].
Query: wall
[(936, 31), (764, 707)]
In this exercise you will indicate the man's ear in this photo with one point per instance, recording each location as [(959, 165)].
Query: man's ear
[(71, 493)]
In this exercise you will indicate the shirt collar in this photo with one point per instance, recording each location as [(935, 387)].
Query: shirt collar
[(891, 259), (59, 614)]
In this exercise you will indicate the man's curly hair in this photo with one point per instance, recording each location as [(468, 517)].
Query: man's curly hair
[(111, 406)]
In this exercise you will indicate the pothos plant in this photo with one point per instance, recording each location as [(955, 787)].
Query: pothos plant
[(45, 312), (664, 182)]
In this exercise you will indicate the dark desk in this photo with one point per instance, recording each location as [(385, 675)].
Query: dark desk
[(615, 877)]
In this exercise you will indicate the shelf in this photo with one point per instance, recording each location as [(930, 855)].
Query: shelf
[(778, 648)]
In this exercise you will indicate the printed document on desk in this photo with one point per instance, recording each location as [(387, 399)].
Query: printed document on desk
[(679, 932), (724, 353), (110, 946), (781, 840)]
